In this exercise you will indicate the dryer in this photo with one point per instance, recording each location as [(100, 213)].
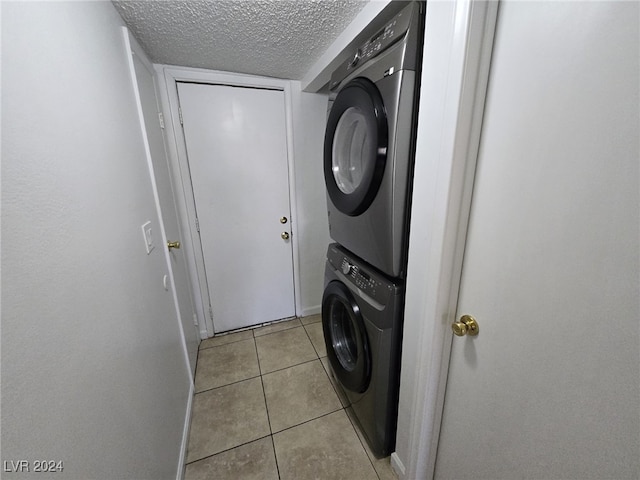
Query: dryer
[(362, 326), (369, 142)]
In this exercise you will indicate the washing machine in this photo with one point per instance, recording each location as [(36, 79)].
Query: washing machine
[(370, 139), (362, 325)]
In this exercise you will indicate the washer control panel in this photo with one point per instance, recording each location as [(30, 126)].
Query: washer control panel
[(365, 279), (360, 278)]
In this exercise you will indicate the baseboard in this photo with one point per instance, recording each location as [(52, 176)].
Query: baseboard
[(185, 435), (397, 466), (204, 334), (311, 311)]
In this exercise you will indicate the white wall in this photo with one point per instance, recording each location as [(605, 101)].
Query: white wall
[(309, 121), (93, 370)]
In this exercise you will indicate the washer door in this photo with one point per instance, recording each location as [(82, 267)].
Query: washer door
[(355, 147), (345, 337)]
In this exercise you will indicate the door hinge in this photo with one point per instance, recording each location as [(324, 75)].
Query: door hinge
[(197, 225), (180, 115), (211, 313), (161, 119), (195, 319)]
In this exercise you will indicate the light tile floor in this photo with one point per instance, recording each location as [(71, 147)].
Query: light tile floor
[(266, 408)]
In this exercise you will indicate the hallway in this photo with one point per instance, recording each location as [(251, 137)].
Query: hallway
[(266, 408)]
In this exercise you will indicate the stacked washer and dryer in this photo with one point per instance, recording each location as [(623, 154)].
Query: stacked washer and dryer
[(368, 164)]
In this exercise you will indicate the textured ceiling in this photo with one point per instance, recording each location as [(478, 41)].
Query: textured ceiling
[(273, 38)]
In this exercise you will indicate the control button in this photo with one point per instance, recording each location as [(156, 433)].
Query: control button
[(347, 268), (356, 58)]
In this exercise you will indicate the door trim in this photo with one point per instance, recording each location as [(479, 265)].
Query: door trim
[(456, 63), (168, 76), (132, 47)]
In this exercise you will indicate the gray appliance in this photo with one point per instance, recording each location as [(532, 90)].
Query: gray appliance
[(362, 325), (369, 141)]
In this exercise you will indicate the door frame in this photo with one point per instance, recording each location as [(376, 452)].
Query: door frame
[(456, 63), (168, 76), (132, 47)]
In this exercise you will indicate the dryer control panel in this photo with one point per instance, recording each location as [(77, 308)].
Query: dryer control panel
[(403, 25), (381, 40)]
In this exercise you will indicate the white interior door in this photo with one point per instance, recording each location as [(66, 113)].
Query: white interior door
[(549, 388), (179, 281), (237, 152)]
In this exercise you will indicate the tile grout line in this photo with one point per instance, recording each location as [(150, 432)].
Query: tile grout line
[(222, 344), (255, 346), (341, 407), (236, 381), (355, 427), (195, 371), (273, 445), (294, 364), (335, 388), (266, 407), (228, 449), (311, 420), (262, 374), (251, 329), (275, 455), (272, 434), (264, 395), (291, 366), (277, 331), (309, 337), (227, 384), (364, 447)]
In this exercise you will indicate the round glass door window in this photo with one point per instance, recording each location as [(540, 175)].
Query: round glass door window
[(346, 338), (351, 146), (355, 147), (343, 333)]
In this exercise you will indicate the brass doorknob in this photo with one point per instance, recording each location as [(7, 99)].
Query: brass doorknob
[(283, 220), (466, 326), (171, 245), (285, 235)]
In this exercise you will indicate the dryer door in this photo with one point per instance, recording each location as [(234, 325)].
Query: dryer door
[(355, 146), (345, 337)]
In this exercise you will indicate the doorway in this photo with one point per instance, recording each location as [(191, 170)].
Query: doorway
[(240, 249)]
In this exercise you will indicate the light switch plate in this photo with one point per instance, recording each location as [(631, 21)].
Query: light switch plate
[(147, 231)]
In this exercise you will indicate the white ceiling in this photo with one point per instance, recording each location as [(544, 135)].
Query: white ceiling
[(273, 38)]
